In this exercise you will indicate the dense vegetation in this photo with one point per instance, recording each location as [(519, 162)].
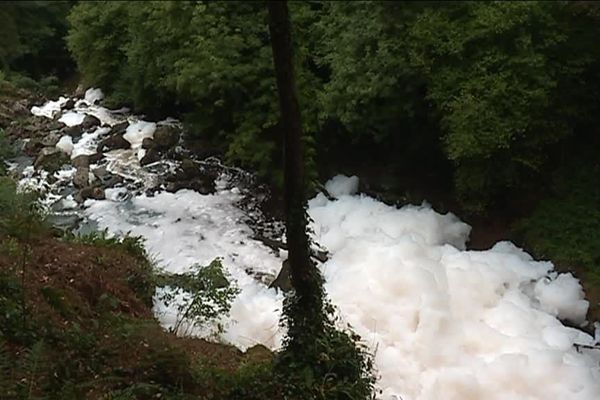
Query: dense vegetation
[(33, 53), (499, 87)]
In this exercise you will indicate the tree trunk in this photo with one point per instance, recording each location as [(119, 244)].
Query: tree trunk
[(303, 271)]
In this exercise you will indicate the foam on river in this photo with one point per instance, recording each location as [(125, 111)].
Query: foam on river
[(443, 322)]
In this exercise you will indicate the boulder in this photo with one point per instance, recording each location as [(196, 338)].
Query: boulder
[(34, 126), (94, 158), (79, 92), (202, 186), (113, 142), (111, 181), (166, 136), (55, 126), (81, 179), (73, 131), (101, 173), (190, 169), (51, 139), (20, 108), (191, 176), (50, 159), (89, 121), (81, 161), (33, 146), (119, 129), (150, 157), (69, 105), (148, 143), (90, 192)]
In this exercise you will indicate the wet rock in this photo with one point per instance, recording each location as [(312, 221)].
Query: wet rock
[(20, 107), (89, 121), (32, 127), (94, 158), (148, 144), (55, 126), (190, 169), (150, 157), (111, 181), (81, 161), (51, 139), (263, 277), (191, 176), (90, 192), (119, 128), (166, 136), (100, 172), (69, 105), (64, 222), (73, 131), (81, 179), (113, 142), (79, 92), (50, 159), (32, 147), (283, 281), (202, 186)]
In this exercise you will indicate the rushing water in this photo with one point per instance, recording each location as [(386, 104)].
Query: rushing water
[(443, 322)]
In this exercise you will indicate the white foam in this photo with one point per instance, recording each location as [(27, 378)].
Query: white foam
[(88, 143), (185, 228), (65, 144), (93, 95), (50, 108), (72, 118), (341, 185), (443, 322), (136, 133), (563, 297)]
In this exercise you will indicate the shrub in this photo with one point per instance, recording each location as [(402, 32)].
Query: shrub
[(204, 294), (21, 217)]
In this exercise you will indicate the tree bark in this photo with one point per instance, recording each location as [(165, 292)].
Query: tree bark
[(302, 269)]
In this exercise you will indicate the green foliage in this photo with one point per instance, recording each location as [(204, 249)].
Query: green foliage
[(565, 228), (204, 294), (210, 60), (133, 245), (31, 38), (20, 216), (495, 85), (11, 318), (47, 85), (319, 361), (6, 151)]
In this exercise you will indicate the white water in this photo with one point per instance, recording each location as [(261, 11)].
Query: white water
[(443, 322)]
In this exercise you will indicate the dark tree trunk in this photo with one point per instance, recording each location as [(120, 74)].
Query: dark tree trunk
[(304, 275)]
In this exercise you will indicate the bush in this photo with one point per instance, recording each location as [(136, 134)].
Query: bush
[(204, 294), (6, 151), (565, 227), (21, 217), (31, 38)]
